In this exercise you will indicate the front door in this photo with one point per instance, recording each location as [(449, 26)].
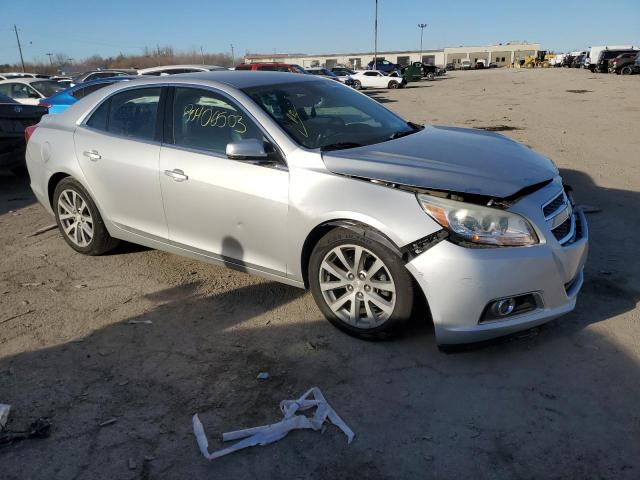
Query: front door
[(119, 156), (235, 211)]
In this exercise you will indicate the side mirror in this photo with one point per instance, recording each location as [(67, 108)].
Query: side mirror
[(247, 149)]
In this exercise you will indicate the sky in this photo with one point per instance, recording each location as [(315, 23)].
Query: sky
[(80, 28)]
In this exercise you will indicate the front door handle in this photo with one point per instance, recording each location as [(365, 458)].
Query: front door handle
[(177, 174), (92, 155)]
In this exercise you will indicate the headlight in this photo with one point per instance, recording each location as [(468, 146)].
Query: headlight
[(477, 224)]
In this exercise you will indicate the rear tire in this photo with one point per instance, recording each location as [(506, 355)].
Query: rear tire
[(368, 298), (626, 70), (79, 220)]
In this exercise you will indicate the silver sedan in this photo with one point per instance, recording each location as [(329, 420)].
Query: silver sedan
[(310, 183)]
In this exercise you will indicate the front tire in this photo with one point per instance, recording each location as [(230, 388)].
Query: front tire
[(626, 70), (79, 220), (357, 85), (393, 84), (361, 286)]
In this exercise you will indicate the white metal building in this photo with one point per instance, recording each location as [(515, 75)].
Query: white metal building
[(503, 54)]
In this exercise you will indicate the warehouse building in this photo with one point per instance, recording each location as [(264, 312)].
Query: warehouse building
[(502, 54)]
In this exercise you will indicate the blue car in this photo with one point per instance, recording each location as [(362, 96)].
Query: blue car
[(59, 102), (383, 66)]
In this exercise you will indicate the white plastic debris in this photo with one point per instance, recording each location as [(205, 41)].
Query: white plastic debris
[(4, 414), (267, 434)]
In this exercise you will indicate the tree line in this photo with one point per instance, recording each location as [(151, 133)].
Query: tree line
[(60, 63)]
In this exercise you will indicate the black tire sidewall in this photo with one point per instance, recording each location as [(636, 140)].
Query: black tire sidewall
[(402, 279), (101, 241), (357, 84)]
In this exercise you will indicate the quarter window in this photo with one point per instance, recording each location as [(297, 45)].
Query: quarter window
[(207, 121), (132, 113)]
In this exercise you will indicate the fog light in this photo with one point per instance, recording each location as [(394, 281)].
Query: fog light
[(507, 307), (504, 307)]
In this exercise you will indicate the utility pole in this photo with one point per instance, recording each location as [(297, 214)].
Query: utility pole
[(202, 54), (421, 26), (19, 47), (233, 57), (50, 59), (375, 40)]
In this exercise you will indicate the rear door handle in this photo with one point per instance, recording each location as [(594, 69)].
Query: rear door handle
[(177, 174), (92, 155)]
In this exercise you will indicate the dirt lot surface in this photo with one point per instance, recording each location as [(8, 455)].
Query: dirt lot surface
[(560, 401)]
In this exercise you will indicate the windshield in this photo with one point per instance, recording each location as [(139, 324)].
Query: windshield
[(328, 115), (47, 87)]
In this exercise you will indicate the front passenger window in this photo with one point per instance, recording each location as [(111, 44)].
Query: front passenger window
[(207, 121)]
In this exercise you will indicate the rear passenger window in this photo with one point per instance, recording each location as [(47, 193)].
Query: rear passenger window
[(132, 113), (98, 119), (207, 121)]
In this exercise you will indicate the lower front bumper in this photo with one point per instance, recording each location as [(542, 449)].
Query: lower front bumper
[(460, 282)]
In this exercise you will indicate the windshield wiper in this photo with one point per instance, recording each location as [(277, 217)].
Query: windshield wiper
[(340, 146)]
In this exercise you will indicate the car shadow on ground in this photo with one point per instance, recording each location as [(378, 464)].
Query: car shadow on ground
[(560, 402)]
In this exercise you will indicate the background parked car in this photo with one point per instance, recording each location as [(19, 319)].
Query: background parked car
[(342, 73), (14, 118), (593, 56), (106, 73), (577, 62), (465, 64), (383, 66), (272, 67), (326, 73), (59, 102), (567, 61), (603, 63), (322, 72), (29, 90), (176, 69), (376, 79), (623, 63), (450, 66), (9, 75)]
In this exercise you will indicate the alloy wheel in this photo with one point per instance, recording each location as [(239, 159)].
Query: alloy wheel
[(357, 286), (75, 218)]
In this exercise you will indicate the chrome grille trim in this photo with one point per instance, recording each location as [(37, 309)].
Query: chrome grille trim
[(555, 205), (558, 212)]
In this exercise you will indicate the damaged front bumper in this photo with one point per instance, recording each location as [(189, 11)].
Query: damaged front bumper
[(461, 284)]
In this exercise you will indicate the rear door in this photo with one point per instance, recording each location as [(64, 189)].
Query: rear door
[(118, 150), (231, 210)]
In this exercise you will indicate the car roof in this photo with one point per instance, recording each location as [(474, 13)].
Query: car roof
[(233, 78), (26, 80), (167, 67)]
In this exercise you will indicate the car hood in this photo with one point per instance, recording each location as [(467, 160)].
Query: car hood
[(447, 158)]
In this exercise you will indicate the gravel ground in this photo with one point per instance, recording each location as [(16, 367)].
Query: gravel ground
[(560, 401)]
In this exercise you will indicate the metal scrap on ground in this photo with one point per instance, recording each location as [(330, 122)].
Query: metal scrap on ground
[(272, 433)]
